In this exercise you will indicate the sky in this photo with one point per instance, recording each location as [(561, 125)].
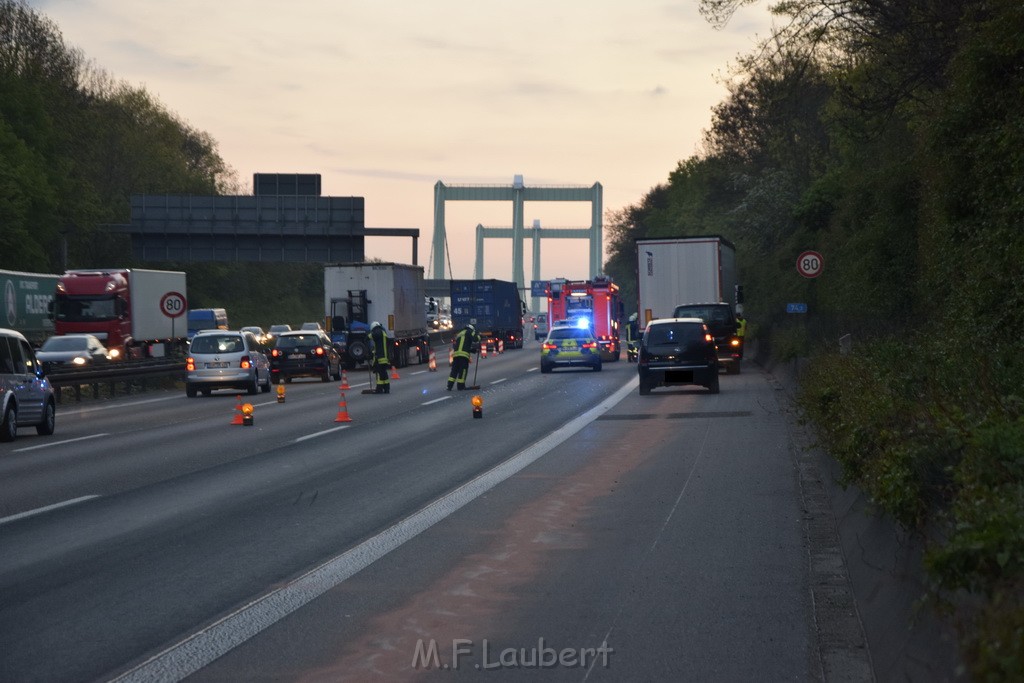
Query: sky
[(385, 98)]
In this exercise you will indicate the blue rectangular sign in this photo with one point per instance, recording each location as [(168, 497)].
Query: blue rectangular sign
[(538, 288), (796, 308)]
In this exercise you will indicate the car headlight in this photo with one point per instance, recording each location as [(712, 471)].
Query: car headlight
[(78, 360)]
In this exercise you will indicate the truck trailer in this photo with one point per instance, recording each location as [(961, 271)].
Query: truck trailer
[(136, 313), (493, 307), (682, 270), (358, 294), (27, 301)]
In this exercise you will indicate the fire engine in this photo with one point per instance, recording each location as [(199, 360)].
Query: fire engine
[(594, 301)]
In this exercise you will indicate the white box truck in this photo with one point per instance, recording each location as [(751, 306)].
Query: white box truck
[(359, 294), (682, 270)]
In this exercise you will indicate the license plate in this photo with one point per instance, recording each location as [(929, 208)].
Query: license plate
[(297, 356), (569, 345), (216, 365)]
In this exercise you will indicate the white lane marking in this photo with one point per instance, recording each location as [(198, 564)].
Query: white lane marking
[(82, 411), (531, 369), (418, 372), (199, 649), (499, 381), (37, 511), (59, 443), (436, 400), (316, 434)]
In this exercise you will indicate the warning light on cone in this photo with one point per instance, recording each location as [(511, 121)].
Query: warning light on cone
[(247, 411), (478, 406), (280, 393)]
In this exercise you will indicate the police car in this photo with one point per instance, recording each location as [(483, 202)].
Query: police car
[(569, 346)]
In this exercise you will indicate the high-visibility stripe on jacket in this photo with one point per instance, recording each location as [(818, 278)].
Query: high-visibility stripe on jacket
[(380, 345), (463, 343)]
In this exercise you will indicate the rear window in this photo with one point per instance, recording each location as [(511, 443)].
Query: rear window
[(674, 333), (569, 333), (294, 341), (217, 343), (713, 315)]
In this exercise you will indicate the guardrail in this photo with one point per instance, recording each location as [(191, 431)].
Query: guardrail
[(131, 375)]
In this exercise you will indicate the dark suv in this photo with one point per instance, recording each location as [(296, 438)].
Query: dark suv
[(677, 351), (722, 323)]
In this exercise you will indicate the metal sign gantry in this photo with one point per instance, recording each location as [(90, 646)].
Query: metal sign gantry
[(517, 193)]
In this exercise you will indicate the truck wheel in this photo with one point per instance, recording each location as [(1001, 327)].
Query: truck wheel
[(9, 426), (46, 427), (358, 351)]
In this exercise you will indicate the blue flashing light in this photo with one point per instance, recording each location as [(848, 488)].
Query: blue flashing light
[(582, 323)]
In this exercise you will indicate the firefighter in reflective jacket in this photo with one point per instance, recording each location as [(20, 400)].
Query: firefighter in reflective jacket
[(632, 338), (380, 362), (463, 346)]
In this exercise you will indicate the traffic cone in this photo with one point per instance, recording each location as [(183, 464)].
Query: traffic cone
[(432, 366), (237, 419), (343, 410), (344, 379), (451, 356), (394, 373), (501, 346)]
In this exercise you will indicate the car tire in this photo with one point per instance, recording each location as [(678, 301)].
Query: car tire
[(191, 391), (645, 388), (714, 387), (733, 368), (253, 387), (287, 380), (206, 392), (266, 386), (9, 425), (326, 376), (597, 368), (337, 373), (545, 369), (49, 423)]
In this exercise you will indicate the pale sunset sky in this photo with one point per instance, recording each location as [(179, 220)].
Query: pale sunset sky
[(385, 98)]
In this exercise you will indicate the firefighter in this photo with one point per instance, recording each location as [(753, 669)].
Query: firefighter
[(464, 345), (379, 361), (632, 338)]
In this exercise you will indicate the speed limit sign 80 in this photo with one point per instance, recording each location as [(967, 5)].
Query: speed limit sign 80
[(173, 304), (809, 264)]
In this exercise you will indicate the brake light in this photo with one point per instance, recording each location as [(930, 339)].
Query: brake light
[(275, 352), (708, 338), (319, 350), (590, 345), (190, 364), (245, 364), (735, 342), (548, 346)]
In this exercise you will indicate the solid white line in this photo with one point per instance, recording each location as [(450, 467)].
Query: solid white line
[(29, 513), (326, 431), (531, 369), (436, 400), (499, 381), (418, 372), (59, 443), (196, 651)]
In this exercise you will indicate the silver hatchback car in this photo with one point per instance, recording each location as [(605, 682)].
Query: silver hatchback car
[(26, 396), (225, 359)]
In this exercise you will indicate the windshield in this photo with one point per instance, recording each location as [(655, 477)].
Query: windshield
[(76, 309), (65, 344), (293, 341), (713, 315)]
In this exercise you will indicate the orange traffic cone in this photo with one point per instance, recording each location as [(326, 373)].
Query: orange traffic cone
[(501, 346), (343, 410), (237, 419), (344, 379), (394, 373), (432, 366)]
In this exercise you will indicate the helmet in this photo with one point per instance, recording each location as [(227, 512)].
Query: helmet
[(375, 325), (471, 328), (632, 318)]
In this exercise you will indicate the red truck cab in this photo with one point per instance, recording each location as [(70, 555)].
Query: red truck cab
[(94, 302)]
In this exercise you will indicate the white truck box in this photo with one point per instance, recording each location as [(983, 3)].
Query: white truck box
[(147, 289), (682, 270), (395, 292)]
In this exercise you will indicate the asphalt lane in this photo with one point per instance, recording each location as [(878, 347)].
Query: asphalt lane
[(661, 542)]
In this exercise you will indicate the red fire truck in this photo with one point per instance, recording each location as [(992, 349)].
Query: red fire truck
[(594, 301)]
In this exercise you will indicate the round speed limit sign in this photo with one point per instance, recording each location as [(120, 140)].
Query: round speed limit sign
[(809, 264), (173, 305)]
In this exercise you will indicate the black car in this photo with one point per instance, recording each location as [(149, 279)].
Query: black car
[(304, 353), (675, 352), (721, 321)]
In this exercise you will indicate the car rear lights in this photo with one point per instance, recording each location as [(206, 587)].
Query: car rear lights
[(245, 363), (548, 346), (190, 364), (275, 352), (590, 345), (319, 350)]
